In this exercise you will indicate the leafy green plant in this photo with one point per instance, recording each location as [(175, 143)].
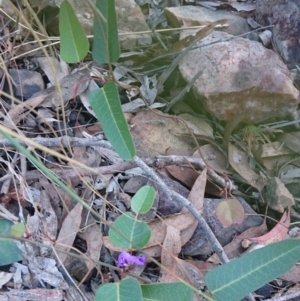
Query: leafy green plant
[(128, 232), (104, 101), (231, 281), (133, 233)]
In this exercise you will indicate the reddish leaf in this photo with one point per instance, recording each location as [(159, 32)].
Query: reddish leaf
[(230, 212), (278, 233)]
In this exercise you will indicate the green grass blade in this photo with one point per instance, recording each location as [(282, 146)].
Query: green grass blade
[(240, 277), (74, 44), (48, 173), (106, 104), (106, 47)]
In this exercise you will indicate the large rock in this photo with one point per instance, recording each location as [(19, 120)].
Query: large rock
[(197, 15), (285, 15), (240, 78)]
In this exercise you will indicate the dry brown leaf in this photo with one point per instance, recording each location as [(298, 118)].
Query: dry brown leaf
[(48, 64), (175, 269), (234, 249), (239, 162), (183, 174), (216, 159), (277, 195), (196, 197), (169, 253), (68, 231), (49, 218), (197, 192), (17, 113), (54, 194), (93, 237)]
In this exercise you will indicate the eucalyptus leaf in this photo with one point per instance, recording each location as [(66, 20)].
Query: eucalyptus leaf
[(238, 278), (106, 47), (74, 44), (106, 104)]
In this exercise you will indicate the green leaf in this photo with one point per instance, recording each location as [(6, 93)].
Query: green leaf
[(74, 44), (126, 290), (106, 48), (9, 252), (127, 232), (238, 278), (106, 104), (143, 200), (175, 291), (17, 230)]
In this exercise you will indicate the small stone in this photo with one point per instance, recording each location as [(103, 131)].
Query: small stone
[(26, 83)]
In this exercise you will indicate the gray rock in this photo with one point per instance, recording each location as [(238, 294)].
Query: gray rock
[(131, 19), (196, 15), (285, 15), (26, 83), (240, 78)]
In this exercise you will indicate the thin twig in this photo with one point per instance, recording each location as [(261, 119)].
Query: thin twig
[(64, 141), (183, 201), (73, 173), (198, 162)]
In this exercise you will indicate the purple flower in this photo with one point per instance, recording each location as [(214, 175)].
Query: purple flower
[(125, 259)]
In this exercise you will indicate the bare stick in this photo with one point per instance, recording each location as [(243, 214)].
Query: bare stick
[(183, 201), (64, 141)]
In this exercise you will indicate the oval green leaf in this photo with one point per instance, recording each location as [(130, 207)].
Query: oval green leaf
[(17, 230), (238, 278), (9, 252), (126, 290), (175, 291), (143, 200), (74, 44), (107, 107), (106, 48), (127, 232)]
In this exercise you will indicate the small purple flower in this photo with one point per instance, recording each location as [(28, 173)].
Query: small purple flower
[(125, 259)]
